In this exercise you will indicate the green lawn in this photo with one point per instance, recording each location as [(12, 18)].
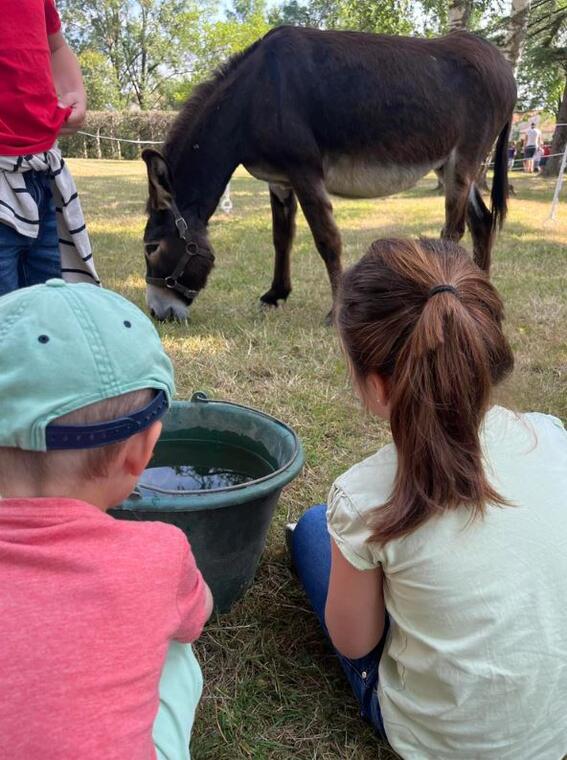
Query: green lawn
[(272, 688)]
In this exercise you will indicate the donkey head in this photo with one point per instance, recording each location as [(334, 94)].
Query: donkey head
[(178, 254)]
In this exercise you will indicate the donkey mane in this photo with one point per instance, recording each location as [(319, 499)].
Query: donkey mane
[(196, 106)]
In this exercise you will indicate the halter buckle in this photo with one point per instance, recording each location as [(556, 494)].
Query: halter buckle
[(181, 225)]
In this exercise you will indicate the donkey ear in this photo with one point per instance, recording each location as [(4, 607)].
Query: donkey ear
[(158, 179)]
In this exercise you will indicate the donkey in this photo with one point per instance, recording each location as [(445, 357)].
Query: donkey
[(315, 113)]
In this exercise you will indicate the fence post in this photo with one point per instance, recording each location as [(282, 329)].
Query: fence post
[(555, 202), (98, 148), (225, 201)]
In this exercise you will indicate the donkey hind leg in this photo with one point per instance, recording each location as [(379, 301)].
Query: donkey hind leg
[(457, 186), (284, 210), (479, 222), (318, 212), (440, 189)]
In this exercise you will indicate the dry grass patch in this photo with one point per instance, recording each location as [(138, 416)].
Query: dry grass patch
[(273, 690)]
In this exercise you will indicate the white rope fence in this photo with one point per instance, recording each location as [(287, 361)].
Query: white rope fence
[(226, 204), (558, 185), (121, 139)]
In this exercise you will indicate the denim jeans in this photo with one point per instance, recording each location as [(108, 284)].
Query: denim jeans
[(29, 261), (311, 555)]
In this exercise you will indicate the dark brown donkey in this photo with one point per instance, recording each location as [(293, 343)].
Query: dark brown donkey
[(315, 112)]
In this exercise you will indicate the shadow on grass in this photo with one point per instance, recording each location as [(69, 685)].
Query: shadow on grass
[(289, 678)]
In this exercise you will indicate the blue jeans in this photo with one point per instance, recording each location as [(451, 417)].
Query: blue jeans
[(29, 261), (311, 555)]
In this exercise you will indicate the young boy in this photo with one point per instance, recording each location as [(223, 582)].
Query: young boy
[(93, 611)]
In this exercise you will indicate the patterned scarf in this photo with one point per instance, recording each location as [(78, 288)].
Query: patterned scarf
[(19, 209)]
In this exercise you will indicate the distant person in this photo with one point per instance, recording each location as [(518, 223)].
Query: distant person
[(511, 155), (532, 142), (97, 613), (439, 567), (41, 96), (546, 151)]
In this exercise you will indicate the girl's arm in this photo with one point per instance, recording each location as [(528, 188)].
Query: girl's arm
[(354, 612), (68, 82)]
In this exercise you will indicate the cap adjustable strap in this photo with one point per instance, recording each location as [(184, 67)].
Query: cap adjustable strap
[(104, 433)]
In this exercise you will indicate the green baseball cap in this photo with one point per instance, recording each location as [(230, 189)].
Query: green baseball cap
[(63, 347)]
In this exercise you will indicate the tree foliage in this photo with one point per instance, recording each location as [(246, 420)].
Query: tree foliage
[(146, 42), (153, 52), (100, 80), (542, 75)]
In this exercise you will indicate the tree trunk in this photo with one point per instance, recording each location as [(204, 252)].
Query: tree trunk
[(551, 168), (459, 14), (516, 32)]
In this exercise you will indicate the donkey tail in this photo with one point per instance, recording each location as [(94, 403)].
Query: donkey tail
[(500, 188)]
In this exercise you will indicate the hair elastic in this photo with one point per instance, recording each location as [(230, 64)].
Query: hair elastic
[(442, 289)]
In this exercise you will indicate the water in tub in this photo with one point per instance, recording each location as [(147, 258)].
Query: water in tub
[(211, 466)]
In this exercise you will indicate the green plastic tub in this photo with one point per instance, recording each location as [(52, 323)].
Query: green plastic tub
[(226, 525)]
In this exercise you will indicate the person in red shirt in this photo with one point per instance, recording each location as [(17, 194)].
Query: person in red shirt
[(546, 151), (41, 96), (96, 614)]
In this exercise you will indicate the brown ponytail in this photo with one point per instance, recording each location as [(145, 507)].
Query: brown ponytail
[(442, 353)]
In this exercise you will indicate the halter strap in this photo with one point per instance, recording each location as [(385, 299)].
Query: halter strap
[(171, 282), (180, 222)]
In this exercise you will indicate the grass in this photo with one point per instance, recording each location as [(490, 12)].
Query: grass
[(273, 690)]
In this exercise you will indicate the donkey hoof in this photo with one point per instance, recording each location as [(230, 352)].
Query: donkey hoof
[(266, 304), (271, 297)]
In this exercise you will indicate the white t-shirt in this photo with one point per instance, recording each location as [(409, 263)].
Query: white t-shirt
[(532, 136), (475, 663)]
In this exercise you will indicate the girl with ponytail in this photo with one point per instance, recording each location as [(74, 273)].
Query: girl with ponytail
[(439, 566)]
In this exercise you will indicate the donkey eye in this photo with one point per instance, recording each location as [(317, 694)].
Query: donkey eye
[(151, 248)]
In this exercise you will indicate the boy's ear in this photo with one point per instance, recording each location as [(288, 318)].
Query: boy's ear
[(159, 180), (140, 448)]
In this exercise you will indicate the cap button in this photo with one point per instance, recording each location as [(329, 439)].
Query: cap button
[(56, 283)]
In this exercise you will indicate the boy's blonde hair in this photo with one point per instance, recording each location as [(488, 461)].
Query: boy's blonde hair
[(81, 464)]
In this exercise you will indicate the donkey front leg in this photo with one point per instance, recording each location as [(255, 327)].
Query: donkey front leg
[(318, 211), (284, 210)]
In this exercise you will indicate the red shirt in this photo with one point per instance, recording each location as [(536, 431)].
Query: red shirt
[(30, 118), (88, 606)]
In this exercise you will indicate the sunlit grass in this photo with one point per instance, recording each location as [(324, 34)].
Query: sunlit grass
[(272, 689)]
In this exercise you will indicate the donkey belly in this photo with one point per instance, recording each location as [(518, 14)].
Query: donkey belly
[(360, 178)]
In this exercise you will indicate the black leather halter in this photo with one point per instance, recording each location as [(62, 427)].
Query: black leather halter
[(171, 282)]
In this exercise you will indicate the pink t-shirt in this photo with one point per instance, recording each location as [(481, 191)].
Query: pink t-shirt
[(88, 606)]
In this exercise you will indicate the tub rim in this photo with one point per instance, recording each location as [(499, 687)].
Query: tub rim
[(218, 498)]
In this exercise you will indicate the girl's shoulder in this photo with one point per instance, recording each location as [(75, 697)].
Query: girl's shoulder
[(528, 433), (353, 497), (546, 423), (369, 482)]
